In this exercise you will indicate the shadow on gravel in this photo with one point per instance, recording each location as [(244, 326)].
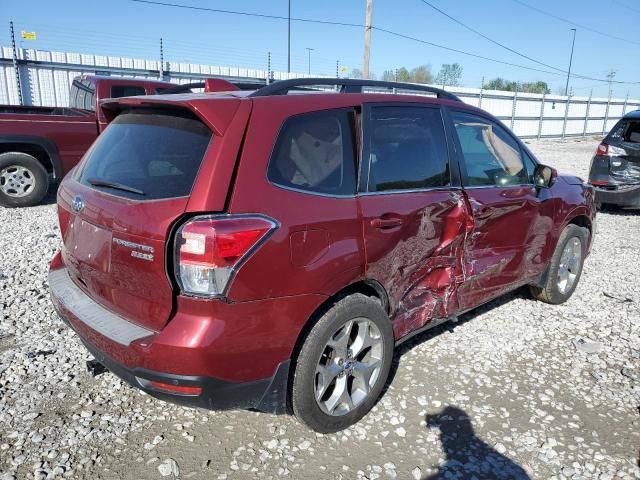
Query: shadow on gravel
[(467, 456)]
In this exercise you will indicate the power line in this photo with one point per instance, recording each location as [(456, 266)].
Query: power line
[(571, 22), (462, 52), (482, 57), (248, 14), (626, 6), (489, 38), (389, 32)]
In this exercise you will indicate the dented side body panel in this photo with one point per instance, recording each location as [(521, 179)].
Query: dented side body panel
[(462, 247), (507, 244), (419, 263)]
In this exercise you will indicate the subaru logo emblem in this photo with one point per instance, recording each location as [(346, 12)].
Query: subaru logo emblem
[(77, 204)]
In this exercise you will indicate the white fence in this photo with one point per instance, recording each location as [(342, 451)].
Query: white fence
[(45, 78)]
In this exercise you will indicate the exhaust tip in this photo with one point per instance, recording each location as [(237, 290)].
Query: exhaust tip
[(95, 368)]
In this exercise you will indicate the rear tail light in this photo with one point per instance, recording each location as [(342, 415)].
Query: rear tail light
[(603, 149), (610, 151), (209, 249)]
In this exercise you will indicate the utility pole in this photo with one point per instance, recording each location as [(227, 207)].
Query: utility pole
[(15, 63), (367, 39), (610, 76), (161, 69), (309, 50), (566, 88), (289, 40)]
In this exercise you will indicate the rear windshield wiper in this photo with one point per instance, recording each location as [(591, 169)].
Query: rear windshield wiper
[(96, 182)]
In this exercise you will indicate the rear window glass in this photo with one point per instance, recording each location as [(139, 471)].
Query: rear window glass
[(82, 94), (315, 152), (632, 134), (118, 91), (147, 155)]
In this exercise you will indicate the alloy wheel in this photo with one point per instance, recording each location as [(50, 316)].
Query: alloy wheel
[(349, 367), (569, 267)]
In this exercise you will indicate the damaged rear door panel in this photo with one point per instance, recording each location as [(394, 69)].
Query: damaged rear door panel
[(413, 212)]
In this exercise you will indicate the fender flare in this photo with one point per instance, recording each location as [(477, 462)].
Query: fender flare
[(579, 211), (47, 145)]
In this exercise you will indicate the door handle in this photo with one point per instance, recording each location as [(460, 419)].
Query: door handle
[(383, 223)]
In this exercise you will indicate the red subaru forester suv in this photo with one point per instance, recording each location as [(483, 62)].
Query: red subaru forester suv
[(268, 249)]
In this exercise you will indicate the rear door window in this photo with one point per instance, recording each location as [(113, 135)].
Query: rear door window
[(147, 155), (407, 149), (490, 155), (118, 91), (314, 152)]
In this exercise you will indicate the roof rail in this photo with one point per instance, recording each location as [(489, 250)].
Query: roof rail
[(347, 85)]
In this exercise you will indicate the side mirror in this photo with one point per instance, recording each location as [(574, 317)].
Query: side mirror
[(544, 176)]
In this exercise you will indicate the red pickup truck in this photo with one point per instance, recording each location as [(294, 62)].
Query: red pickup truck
[(39, 145)]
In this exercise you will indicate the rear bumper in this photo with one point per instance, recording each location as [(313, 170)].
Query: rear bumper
[(621, 195), (129, 350), (268, 395)]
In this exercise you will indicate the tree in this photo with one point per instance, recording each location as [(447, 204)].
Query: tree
[(422, 74), (449, 74), (389, 76), (355, 73), (511, 86), (403, 75)]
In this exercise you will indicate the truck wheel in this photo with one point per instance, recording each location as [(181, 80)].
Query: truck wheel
[(23, 180), (343, 365), (565, 267)]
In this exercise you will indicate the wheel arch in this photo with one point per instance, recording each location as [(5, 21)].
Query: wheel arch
[(578, 217), (368, 287), (42, 149)]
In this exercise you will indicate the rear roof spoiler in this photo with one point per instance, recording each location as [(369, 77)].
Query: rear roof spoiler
[(211, 85)]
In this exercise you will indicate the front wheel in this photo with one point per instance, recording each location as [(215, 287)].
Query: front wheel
[(343, 365), (565, 267), (23, 180)]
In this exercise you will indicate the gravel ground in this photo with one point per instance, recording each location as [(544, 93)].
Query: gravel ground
[(515, 389)]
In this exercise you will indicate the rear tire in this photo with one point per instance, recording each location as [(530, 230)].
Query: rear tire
[(565, 267), (23, 180), (343, 365)]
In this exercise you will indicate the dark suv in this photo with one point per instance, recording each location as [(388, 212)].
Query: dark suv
[(269, 249), (615, 168)]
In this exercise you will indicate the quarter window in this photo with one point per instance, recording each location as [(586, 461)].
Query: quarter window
[(491, 156), (315, 152), (407, 149)]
